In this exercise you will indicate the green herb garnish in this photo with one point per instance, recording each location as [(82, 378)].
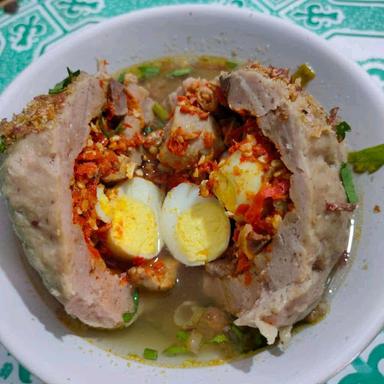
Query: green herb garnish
[(341, 129), (368, 159), (121, 76), (219, 339), (147, 130), (231, 64), (175, 350), (246, 339), (305, 73), (128, 316), (160, 112), (102, 124), (133, 70), (347, 180), (180, 72), (120, 128), (3, 144), (108, 132), (148, 71), (60, 87), (150, 354), (237, 332), (157, 124), (182, 335)]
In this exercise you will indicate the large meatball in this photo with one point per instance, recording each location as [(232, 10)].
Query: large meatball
[(36, 174)]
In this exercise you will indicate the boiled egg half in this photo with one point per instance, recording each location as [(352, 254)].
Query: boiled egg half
[(236, 181), (133, 209), (195, 229)]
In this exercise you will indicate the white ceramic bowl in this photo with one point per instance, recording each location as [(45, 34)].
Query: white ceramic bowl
[(28, 325)]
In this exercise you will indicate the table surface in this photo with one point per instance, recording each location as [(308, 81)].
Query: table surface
[(354, 27)]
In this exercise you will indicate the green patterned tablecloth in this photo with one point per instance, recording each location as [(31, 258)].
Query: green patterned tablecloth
[(355, 27)]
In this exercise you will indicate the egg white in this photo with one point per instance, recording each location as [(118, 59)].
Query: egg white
[(236, 181), (208, 222), (146, 198)]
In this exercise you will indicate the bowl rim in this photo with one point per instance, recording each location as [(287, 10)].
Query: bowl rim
[(10, 92)]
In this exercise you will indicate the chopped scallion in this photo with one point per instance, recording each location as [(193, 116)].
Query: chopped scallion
[(3, 144), (175, 350), (120, 128), (150, 354), (182, 335), (135, 298), (147, 130), (180, 72), (246, 339), (347, 180), (368, 159), (305, 73), (148, 71), (60, 87), (128, 316), (219, 339), (102, 124), (236, 331), (231, 64), (160, 112), (109, 132), (341, 129), (121, 76), (157, 124)]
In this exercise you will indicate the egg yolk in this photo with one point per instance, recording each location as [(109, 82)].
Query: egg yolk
[(236, 181), (202, 232), (134, 229)]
